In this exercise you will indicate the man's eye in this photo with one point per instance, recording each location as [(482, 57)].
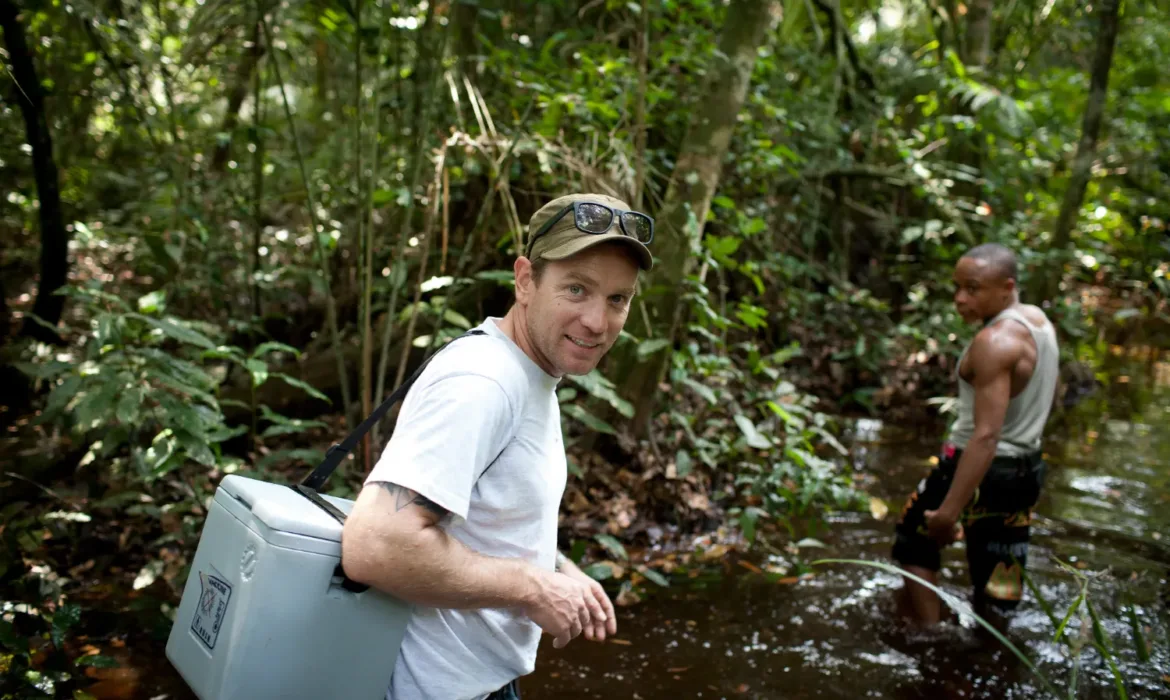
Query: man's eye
[(619, 299), (576, 289)]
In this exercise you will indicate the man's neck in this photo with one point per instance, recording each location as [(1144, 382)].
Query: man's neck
[(514, 326), (1010, 305)]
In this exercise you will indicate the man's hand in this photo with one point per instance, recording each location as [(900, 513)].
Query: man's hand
[(600, 627), (942, 526), (563, 606)]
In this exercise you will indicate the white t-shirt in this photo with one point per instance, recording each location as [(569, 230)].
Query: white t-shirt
[(478, 398)]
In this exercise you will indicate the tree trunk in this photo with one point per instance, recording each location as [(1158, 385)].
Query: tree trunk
[(231, 117), (695, 178), (54, 238), (977, 42), (1087, 147)]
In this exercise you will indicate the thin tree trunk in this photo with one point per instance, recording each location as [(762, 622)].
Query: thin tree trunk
[(54, 238), (977, 42), (696, 176), (257, 170), (1087, 147), (248, 65), (640, 108)]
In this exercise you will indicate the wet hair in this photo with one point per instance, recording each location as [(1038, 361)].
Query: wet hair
[(1001, 259)]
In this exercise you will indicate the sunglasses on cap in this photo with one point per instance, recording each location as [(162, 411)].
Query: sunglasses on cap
[(590, 217)]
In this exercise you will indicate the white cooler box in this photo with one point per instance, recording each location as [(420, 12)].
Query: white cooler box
[(266, 613)]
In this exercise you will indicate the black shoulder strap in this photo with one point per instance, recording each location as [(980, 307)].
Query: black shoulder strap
[(316, 479)]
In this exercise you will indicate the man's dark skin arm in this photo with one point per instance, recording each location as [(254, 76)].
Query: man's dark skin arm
[(992, 358)]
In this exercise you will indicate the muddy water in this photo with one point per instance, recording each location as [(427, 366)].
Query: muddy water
[(1106, 507)]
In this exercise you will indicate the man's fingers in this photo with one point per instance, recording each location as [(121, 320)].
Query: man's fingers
[(607, 606), (596, 610), (585, 612), (560, 642)]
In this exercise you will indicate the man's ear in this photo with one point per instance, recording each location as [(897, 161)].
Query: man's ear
[(522, 271)]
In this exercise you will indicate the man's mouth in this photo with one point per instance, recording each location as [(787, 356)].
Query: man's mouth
[(582, 344)]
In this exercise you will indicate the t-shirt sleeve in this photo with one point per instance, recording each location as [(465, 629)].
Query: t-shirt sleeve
[(445, 438)]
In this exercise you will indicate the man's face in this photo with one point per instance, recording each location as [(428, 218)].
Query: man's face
[(980, 292), (576, 311)]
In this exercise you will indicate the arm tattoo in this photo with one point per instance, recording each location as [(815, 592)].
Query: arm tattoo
[(404, 497)]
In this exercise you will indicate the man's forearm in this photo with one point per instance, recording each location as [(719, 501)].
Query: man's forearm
[(429, 567), (973, 465)]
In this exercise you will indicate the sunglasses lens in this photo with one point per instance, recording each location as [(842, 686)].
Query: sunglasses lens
[(593, 218), (638, 226)]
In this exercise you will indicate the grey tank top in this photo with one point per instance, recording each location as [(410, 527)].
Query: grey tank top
[(1027, 412)]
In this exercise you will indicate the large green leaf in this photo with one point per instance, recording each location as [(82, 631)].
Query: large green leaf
[(590, 420), (258, 369), (612, 545), (597, 385), (303, 386), (178, 332), (753, 436)]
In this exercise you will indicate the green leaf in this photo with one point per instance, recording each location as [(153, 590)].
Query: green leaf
[(612, 546), (97, 405), (1139, 639), (456, 319), (656, 577), (196, 448), (64, 618), (591, 421), (683, 464), (833, 442), (152, 302), (747, 523), (271, 346), (723, 201), (259, 371), (810, 543), (500, 276), (646, 348), (566, 394), (301, 385), (302, 456), (599, 571), (702, 390), (128, 405), (180, 333), (1106, 650), (97, 661), (787, 417), (597, 385), (754, 438)]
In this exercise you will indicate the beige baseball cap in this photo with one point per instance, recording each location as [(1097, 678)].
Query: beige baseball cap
[(565, 240)]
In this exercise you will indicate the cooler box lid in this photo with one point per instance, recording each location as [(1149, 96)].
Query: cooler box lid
[(283, 509)]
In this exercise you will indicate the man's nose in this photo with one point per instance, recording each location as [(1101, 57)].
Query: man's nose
[(594, 318)]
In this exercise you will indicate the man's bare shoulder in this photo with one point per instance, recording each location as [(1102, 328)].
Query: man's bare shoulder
[(1034, 314), (999, 346)]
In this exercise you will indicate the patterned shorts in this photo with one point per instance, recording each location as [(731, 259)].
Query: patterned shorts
[(996, 524)]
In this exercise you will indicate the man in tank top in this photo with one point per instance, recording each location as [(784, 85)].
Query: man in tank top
[(990, 471)]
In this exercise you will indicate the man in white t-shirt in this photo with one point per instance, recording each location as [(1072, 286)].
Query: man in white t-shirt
[(459, 516)]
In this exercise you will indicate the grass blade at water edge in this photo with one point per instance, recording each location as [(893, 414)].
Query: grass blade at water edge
[(1139, 639), (1071, 611), (955, 603), (1102, 643), (1040, 599)]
